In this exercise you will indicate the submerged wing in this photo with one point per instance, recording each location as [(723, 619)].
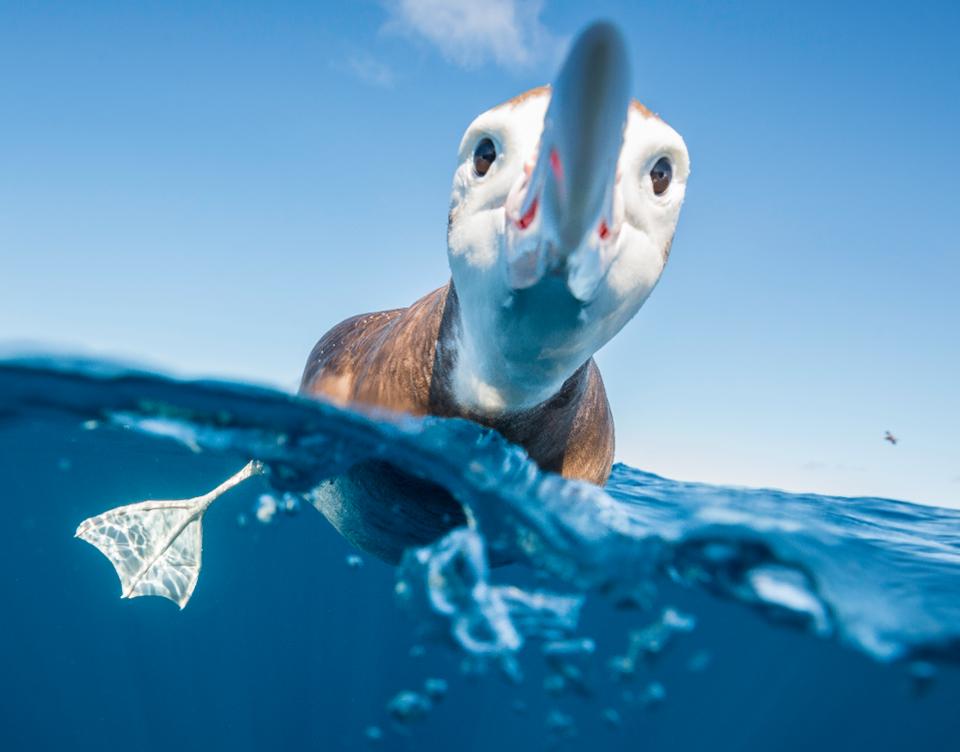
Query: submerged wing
[(155, 546)]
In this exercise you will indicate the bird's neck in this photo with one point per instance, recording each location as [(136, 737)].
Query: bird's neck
[(494, 366), (567, 430)]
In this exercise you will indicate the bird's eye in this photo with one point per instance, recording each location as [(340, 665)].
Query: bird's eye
[(661, 175), (483, 156)]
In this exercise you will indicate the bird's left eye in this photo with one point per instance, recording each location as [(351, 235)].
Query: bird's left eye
[(483, 156), (661, 175)]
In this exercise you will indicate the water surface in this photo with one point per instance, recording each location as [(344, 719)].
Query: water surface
[(653, 612)]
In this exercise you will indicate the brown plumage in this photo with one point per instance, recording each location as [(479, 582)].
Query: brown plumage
[(401, 360)]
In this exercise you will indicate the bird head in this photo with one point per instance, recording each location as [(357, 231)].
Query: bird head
[(564, 205)]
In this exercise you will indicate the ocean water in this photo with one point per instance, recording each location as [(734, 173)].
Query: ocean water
[(652, 614)]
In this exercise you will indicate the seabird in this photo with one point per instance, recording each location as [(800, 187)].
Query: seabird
[(564, 204), (891, 438)]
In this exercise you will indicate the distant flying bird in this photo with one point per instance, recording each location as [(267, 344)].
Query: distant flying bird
[(890, 437)]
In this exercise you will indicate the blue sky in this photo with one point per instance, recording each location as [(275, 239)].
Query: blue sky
[(208, 186)]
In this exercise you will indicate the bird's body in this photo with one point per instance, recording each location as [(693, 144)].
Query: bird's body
[(403, 360)]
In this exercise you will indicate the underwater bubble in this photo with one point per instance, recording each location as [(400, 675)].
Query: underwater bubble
[(540, 613), (436, 689), (473, 667), (699, 661), (180, 431), (482, 476), (653, 695), (509, 668), (574, 678), (560, 724), (90, 425), (448, 583), (650, 641), (790, 590), (354, 561), (611, 717), (373, 733), (265, 509), (922, 675), (622, 667), (290, 504), (582, 646), (570, 661), (242, 519), (677, 620), (407, 706), (554, 684)]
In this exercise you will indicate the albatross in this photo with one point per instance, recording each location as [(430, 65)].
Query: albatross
[(563, 209)]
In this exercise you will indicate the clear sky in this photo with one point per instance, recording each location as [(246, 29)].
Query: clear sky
[(208, 186)]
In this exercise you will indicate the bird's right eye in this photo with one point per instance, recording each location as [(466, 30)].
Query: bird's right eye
[(661, 175), (484, 156)]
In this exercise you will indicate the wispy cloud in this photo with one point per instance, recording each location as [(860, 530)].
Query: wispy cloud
[(471, 33), (368, 69)]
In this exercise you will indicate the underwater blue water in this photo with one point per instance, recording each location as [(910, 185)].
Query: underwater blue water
[(652, 614)]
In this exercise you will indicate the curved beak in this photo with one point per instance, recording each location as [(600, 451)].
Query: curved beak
[(565, 214)]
